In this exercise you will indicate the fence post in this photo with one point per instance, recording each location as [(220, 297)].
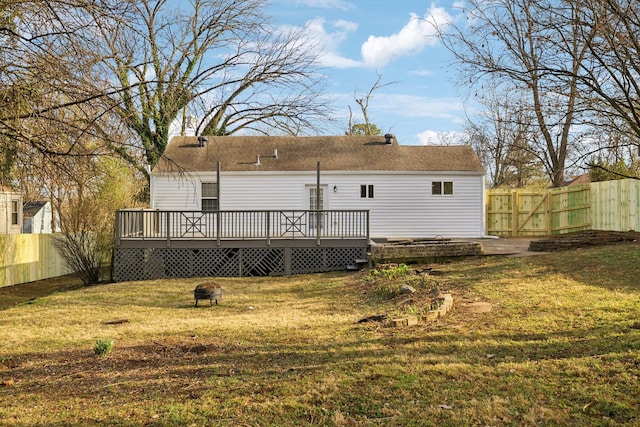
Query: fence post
[(550, 213), (514, 213)]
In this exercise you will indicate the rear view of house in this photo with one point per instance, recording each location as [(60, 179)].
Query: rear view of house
[(283, 205), (410, 191)]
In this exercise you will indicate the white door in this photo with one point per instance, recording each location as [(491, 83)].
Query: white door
[(312, 197)]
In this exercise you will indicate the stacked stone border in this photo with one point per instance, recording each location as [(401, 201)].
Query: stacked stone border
[(431, 315)]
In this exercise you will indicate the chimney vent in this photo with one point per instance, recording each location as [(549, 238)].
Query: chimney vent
[(202, 141), (388, 138)]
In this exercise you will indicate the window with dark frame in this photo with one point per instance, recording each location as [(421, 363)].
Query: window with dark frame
[(441, 187), (15, 217), (209, 197), (366, 191)]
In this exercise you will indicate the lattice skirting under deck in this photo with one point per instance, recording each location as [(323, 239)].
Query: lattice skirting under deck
[(155, 263)]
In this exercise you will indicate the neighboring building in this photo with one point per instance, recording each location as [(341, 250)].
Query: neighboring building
[(10, 211), (585, 178), (410, 191), (37, 217)]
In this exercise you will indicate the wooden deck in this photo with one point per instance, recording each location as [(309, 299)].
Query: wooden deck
[(262, 228), (153, 244)]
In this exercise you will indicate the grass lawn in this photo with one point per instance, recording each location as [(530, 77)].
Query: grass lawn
[(560, 346)]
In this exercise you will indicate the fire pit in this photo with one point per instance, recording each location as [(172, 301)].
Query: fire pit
[(209, 290)]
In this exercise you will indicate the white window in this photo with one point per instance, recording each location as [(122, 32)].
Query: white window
[(209, 196), (441, 187)]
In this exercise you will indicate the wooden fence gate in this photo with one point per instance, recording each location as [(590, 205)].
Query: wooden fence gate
[(538, 213)]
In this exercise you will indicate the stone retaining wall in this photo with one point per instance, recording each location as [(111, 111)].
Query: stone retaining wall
[(423, 252)]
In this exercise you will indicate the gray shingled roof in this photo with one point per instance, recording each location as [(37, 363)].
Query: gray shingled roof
[(32, 208), (335, 153)]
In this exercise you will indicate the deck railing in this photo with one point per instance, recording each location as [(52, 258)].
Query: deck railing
[(241, 225)]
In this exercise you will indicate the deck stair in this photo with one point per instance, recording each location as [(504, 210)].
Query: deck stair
[(358, 264)]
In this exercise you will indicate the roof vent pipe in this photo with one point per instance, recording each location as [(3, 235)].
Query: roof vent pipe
[(202, 141), (388, 138)]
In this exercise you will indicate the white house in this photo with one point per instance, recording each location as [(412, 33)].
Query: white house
[(37, 217), (409, 191), (10, 211)]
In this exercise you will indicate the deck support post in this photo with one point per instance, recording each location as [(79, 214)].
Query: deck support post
[(167, 220), (119, 215), (287, 261), (218, 224), (268, 225), (318, 204)]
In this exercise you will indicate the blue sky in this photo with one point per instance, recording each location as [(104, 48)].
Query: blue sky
[(396, 39)]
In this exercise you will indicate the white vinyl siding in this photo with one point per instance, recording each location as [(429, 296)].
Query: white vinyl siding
[(403, 206), (176, 193)]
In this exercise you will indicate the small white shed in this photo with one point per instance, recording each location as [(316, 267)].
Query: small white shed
[(37, 217), (410, 191)]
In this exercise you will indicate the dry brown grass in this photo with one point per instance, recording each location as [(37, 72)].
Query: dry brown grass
[(560, 346)]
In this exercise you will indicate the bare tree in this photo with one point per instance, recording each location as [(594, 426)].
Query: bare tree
[(366, 127), (139, 64), (43, 74), (610, 79), (501, 135), (271, 84), (220, 59), (519, 42), (92, 192)]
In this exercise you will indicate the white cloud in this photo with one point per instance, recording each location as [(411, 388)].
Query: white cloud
[(432, 137), (421, 73), (348, 26), (412, 106), (419, 32), (328, 42), (327, 4)]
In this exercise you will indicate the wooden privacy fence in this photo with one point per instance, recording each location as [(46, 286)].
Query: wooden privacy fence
[(615, 205), (28, 257), (609, 205), (538, 213)]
